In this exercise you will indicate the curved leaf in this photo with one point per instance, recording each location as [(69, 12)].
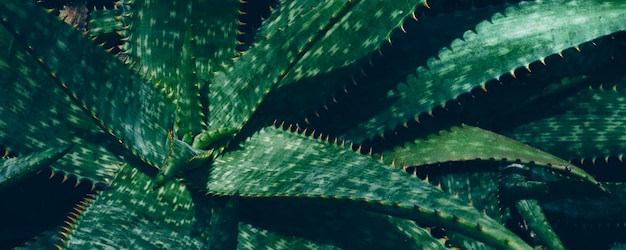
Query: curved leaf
[(12, 170), (116, 98), (589, 126), (36, 116), (129, 214), (471, 143), (301, 43), (533, 215), (494, 47), (106, 21), (276, 163)]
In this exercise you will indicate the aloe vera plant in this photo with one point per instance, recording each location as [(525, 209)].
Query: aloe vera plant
[(313, 124)]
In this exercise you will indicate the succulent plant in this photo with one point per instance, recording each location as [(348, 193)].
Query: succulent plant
[(313, 124)]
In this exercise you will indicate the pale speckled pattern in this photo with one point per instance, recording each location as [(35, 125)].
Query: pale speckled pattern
[(469, 63), (591, 127), (273, 163), (111, 94), (13, 169), (277, 163), (306, 32), (163, 219), (103, 21), (39, 125), (195, 45)]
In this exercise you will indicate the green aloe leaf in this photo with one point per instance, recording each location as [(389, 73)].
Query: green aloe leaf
[(300, 41), (36, 114), (88, 162), (468, 143), (12, 170), (537, 221), (180, 99), (196, 45), (116, 98), (129, 214), (477, 187), (251, 237), (517, 178), (276, 163), (586, 125), (489, 50)]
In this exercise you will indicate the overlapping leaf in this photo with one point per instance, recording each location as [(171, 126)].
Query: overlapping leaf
[(494, 47), (470, 143), (37, 115), (180, 44), (300, 42), (477, 185), (587, 125), (298, 51), (12, 170), (129, 214), (106, 21), (276, 163), (532, 212), (113, 95)]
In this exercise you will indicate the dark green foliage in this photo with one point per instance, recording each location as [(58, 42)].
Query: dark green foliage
[(313, 124)]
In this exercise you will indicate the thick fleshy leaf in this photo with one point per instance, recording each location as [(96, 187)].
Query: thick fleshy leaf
[(278, 189), (179, 44), (587, 125), (492, 48), (277, 163), (36, 115), (13, 170), (517, 179), (410, 45), (468, 143), (299, 44), (114, 96), (477, 185), (533, 215), (130, 214), (88, 162), (179, 159)]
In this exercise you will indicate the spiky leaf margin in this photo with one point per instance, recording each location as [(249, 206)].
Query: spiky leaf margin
[(13, 170), (277, 163), (469, 61)]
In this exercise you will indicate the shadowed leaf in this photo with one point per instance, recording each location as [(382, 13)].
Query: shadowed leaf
[(489, 50)]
